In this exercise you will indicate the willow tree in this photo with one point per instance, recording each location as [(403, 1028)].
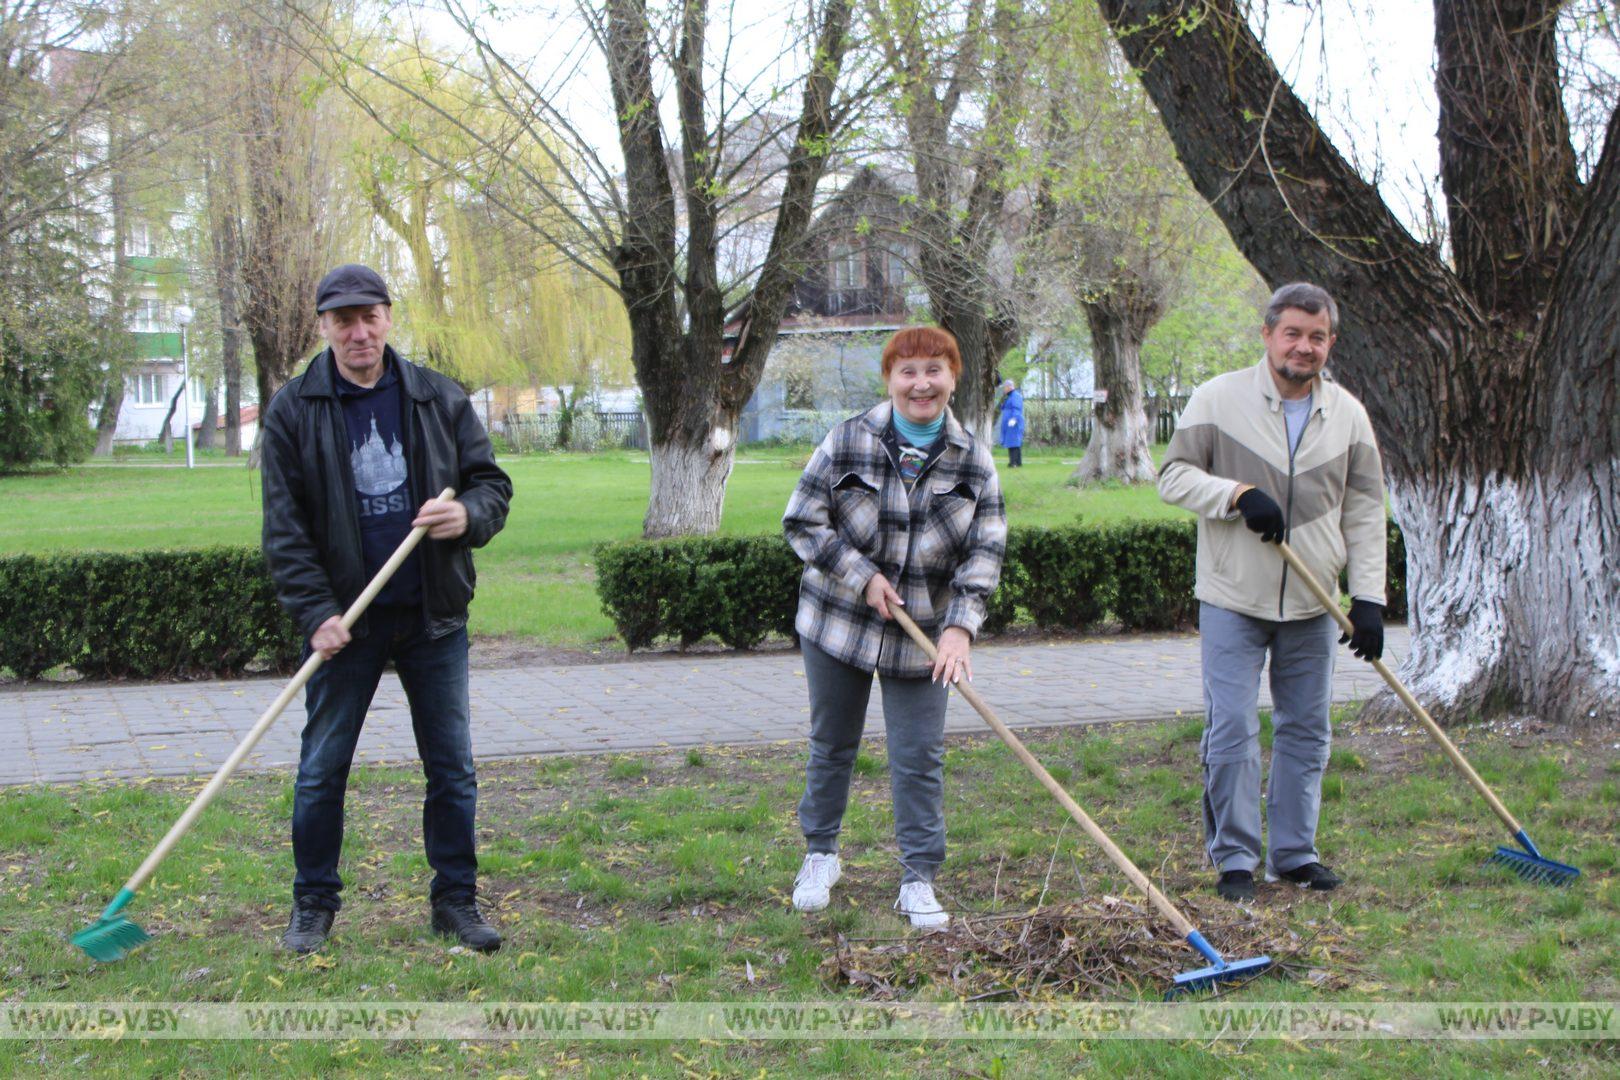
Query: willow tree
[(731, 166), (1491, 371)]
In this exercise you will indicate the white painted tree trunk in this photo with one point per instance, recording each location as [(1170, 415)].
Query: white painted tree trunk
[(1514, 597), (689, 485), (1118, 451)]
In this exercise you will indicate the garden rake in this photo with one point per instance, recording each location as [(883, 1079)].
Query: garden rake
[(114, 935), (1529, 863), (1220, 969)]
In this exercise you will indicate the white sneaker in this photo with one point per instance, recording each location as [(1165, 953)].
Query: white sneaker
[(917, 900), (812, 889)]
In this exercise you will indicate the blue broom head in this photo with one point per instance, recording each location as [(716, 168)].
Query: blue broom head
[(109, 939), (1532, 865)]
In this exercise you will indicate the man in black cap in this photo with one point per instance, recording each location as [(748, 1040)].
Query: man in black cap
[(352, 449)]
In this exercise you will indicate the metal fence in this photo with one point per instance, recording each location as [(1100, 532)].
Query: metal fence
[(589, 431), (1068, 422)]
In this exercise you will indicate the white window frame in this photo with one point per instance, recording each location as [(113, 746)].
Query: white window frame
[(148, 387)]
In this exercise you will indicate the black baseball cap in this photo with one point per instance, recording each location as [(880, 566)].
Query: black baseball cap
[(350, 285)]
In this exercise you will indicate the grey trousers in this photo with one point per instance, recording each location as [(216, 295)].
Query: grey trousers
[(914, 715), (1234, 649)]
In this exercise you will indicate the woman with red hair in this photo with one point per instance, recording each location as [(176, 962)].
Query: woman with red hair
[(898, 506)]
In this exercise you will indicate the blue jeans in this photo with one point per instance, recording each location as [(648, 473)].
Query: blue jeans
[(434, 674)]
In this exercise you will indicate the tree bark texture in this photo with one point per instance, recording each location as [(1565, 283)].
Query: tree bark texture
[(1492, 380), (692, 393), (1121, 437)]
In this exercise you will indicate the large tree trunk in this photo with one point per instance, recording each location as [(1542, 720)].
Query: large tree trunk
[(225, 217), (210, 418), (1120, 432), (692, 394), (112, 403), (281, 250), (166, 434), (1493, 384)]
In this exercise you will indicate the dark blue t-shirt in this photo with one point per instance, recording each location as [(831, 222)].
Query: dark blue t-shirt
[(382, 485)]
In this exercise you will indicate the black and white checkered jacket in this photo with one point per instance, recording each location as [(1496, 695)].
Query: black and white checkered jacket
[(940, 545)]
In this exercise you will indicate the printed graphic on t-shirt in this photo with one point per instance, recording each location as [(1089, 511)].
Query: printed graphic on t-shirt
[(379, 474), (912, 461)]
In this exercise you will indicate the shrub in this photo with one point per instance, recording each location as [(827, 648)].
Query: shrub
[(150, 614), (1153, 574), (739, 589)]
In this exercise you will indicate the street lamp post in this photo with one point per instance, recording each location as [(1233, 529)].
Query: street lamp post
[(182, 315)]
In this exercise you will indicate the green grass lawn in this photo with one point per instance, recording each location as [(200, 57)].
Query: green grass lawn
[(534, 579), (665, 877)]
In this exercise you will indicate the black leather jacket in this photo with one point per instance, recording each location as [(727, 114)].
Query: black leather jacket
[(311, 524)]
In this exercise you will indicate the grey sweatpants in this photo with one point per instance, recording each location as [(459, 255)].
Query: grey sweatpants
[(1234, 650), (914, 715)]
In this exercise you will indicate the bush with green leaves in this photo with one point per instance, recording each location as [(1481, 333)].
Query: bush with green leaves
[(1138, 575), (146, 614)]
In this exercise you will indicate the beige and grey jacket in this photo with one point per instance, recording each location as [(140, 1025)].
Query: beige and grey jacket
[(1233, 433)]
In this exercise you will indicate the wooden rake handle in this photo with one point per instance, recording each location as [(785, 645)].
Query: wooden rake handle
[(251, 739), (1093, 830), (1395, 684)]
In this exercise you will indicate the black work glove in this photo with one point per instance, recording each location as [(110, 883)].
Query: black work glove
[(1368, 640), (1261, 514)]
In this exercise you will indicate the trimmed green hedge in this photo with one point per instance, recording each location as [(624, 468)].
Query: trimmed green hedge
[(742, 588), (146, 615)]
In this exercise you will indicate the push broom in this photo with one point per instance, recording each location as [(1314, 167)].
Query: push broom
[(1529, 863), (1220, 970), (114, 935)]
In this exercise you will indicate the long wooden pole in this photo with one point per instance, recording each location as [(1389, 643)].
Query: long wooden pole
[(255, 733), (1093, 830)]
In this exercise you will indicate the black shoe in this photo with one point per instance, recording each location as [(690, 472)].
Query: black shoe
[(1313, 875), (1236, 886), (459, 917), (308, 928)]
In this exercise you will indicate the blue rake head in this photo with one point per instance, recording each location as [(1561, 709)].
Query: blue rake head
[(1190, 982), (1531, 865)]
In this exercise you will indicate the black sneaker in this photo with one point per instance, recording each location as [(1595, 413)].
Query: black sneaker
[(1313, 875), (308, 928), (1236, 886), (459, 917)]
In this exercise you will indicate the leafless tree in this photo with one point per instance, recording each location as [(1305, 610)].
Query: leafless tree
[(659, 225)]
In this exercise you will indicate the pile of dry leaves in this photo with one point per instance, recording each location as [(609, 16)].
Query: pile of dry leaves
[(1102, 948)]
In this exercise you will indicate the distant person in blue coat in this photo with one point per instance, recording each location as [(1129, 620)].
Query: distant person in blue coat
[(1011, 433)]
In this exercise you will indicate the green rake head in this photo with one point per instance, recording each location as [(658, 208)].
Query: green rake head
[(1531, 865), (113, 936)]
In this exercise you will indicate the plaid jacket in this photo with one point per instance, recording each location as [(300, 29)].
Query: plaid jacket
[(940, 545)]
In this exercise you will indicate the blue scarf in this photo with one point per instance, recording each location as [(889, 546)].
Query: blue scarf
[(921, 436)]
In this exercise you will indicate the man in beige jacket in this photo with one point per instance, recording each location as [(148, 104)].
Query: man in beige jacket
[(1277, 451)]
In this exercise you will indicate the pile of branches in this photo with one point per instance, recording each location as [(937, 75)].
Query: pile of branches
[(1100, 948)]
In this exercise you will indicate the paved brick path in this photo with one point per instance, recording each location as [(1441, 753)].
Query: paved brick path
[(111, 731)]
